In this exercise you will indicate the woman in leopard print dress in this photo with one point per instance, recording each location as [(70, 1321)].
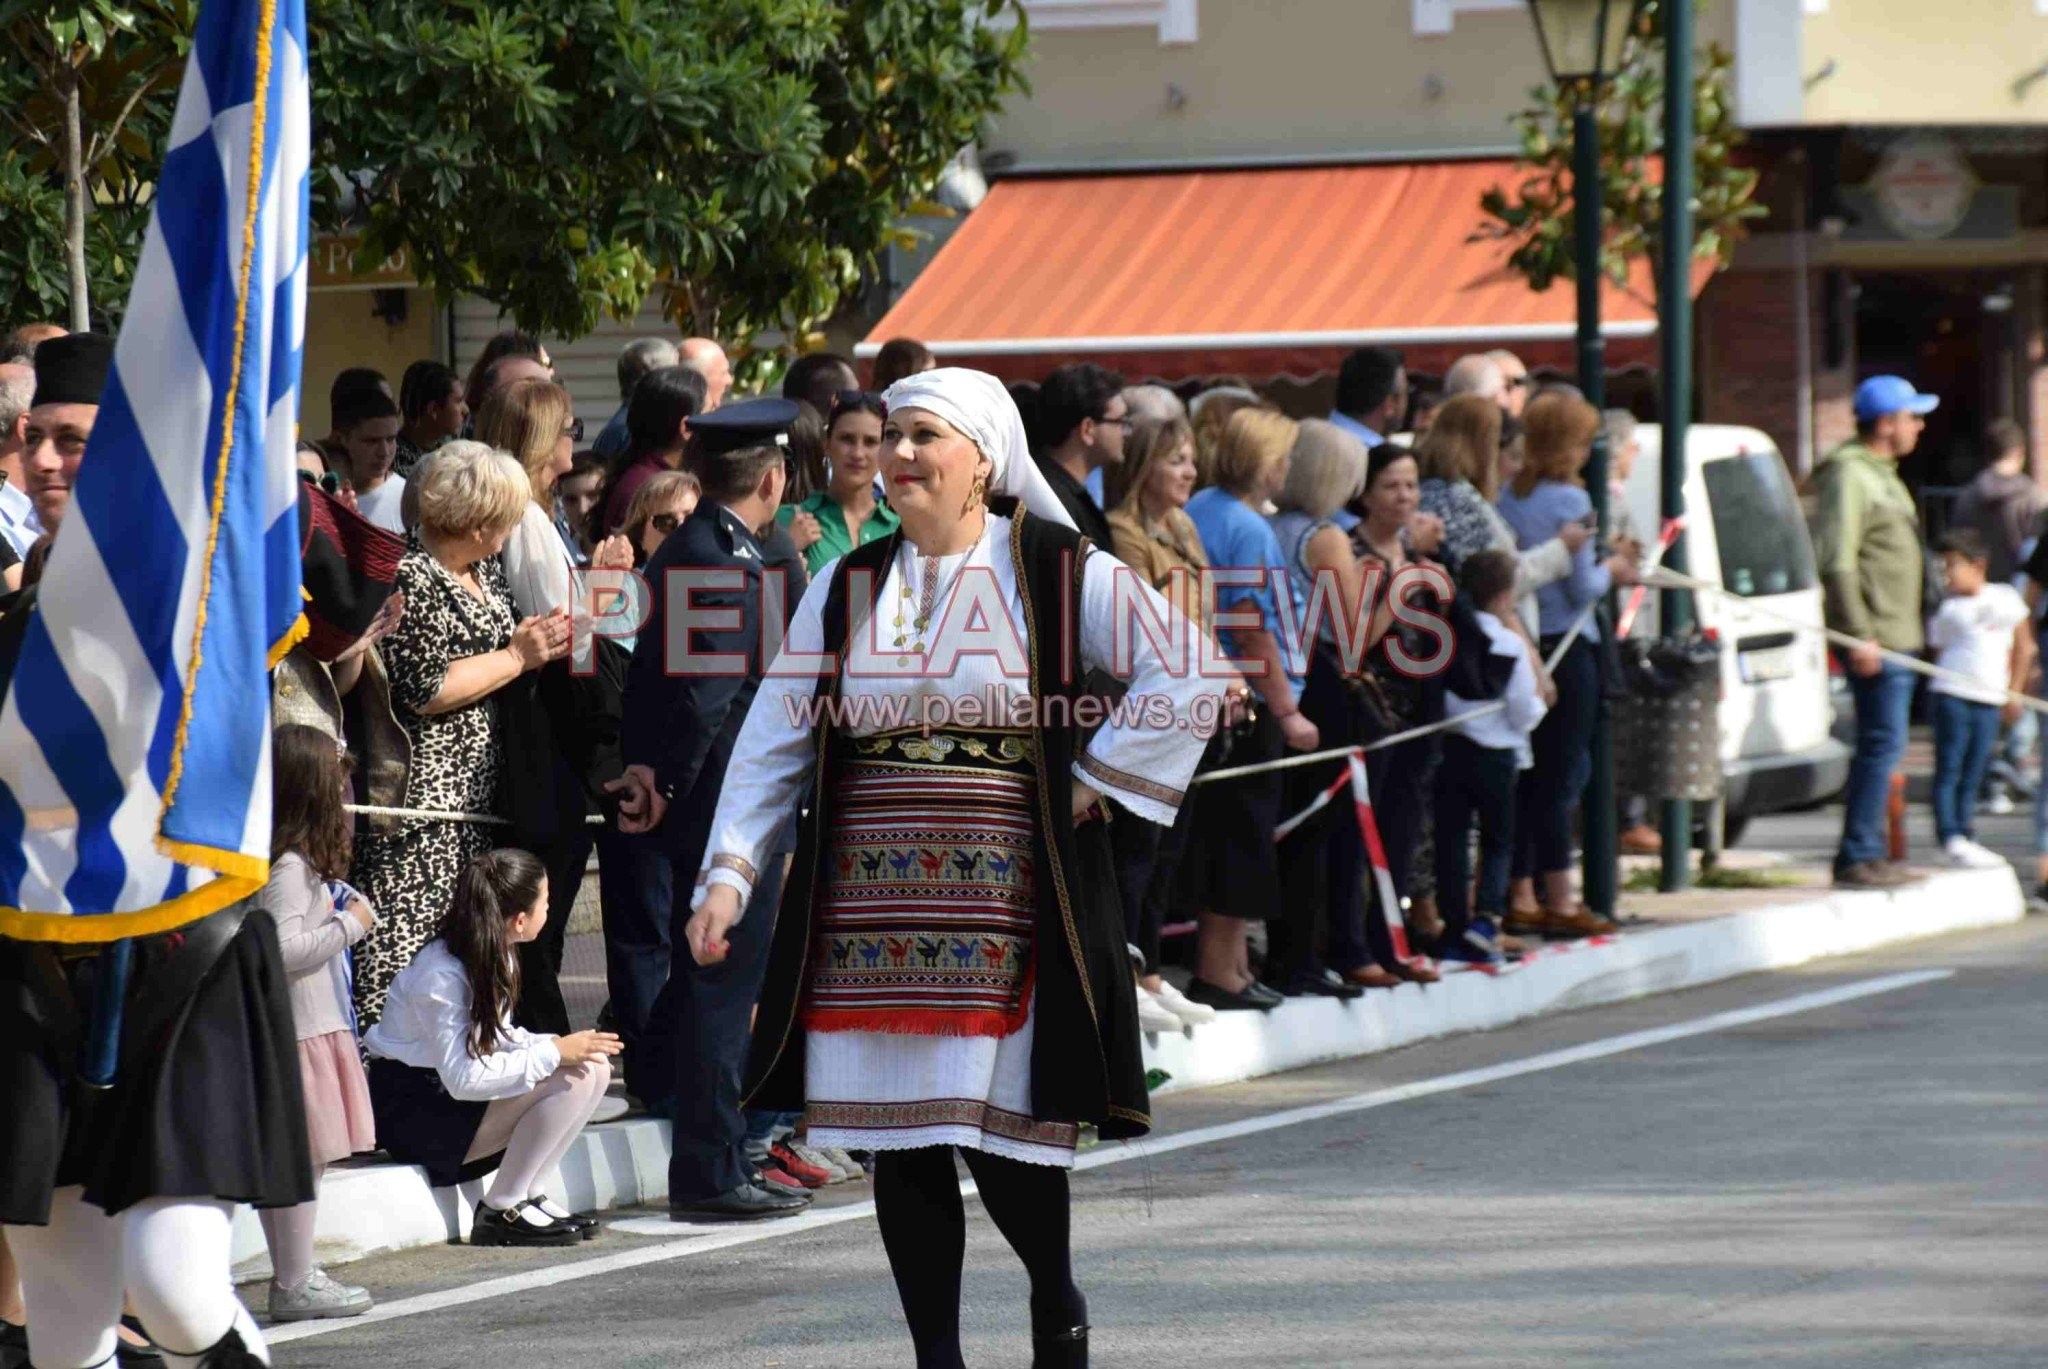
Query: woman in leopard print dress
[(457, 645)]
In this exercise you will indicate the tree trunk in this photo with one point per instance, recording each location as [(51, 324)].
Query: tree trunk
[(75, 202)]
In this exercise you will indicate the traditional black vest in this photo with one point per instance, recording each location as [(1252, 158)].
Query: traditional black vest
[(1086, 1061)]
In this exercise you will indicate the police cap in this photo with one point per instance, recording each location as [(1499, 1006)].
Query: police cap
[(747, 423)]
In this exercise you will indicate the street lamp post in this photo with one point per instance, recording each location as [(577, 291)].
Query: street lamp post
[(1582, 42)]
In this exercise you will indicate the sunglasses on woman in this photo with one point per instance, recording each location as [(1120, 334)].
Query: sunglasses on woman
[(847, 401), (663, 523), (573, 430), (329, 482)]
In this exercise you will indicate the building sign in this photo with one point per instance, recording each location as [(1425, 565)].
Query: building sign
[(1923, 187), (328, 266)]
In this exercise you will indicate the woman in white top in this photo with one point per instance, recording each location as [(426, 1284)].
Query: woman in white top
[(942, 973), (550, 721), (458, 1089), (534, 422)]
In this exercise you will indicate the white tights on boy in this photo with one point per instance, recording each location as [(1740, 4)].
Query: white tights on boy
[(170, 1255)]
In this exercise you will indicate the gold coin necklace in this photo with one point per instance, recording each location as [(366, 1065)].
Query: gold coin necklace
[(913, 618)]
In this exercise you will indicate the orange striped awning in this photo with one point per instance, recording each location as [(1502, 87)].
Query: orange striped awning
[(1263, 272)]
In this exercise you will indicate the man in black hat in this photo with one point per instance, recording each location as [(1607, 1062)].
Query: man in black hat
[(681, 724), (127, 1183), (70, 373)]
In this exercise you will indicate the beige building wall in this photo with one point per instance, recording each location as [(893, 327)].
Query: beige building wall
[(1919, 62), (342, 332), (1282, 78)]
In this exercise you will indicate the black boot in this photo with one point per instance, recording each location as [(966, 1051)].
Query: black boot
[(232, 1352), (1061, 1342)]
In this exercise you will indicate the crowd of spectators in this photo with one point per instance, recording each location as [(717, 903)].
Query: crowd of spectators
[(426, 945)]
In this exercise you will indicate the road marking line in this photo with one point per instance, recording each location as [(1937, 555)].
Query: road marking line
[(724, 1238)]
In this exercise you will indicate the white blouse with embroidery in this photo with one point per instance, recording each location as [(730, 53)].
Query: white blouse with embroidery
[(974, 672)]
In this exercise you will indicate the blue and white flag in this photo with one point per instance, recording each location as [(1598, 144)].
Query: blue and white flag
[(135, 741)]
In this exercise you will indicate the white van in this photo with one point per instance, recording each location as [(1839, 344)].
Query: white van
[(1745, 531)]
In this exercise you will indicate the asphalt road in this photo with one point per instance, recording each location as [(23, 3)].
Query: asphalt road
[(1863, 1183)]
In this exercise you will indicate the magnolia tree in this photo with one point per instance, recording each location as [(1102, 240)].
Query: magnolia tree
[(563, 158), (560, 158), (1535, 217), (87, 90)]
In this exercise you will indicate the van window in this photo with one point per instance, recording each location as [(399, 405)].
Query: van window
[(1757, 521)]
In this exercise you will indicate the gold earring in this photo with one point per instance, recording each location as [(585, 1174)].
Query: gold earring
[(977, 493)]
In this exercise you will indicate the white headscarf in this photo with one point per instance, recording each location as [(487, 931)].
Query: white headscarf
[(976, 403)]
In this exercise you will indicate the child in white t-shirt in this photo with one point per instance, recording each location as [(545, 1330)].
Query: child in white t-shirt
[(1981, 632)]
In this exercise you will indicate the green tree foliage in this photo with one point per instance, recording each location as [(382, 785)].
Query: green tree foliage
[(87, 91), (561, 158), (1535, 218)]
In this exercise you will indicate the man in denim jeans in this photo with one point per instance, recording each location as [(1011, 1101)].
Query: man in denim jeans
[(1873, 567)]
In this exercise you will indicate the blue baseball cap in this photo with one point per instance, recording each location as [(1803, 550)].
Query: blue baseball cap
[(1881, 395)]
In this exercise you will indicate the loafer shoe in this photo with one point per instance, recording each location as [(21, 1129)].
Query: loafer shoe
[(1227, 1000), (1642, 840), (1322, 984), (1579, 922), (1871, 874), (747, 1203)]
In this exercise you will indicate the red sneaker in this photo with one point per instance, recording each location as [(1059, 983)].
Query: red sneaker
[(809, 1175)]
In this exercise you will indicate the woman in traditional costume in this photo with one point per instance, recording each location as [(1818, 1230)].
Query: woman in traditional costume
[(949, 967)]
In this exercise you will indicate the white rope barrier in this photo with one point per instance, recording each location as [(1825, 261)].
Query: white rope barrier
[(1661, 578), (1564, 644), (372, 810)]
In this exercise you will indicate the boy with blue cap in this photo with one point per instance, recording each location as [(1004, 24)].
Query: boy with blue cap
[(1866, 539)]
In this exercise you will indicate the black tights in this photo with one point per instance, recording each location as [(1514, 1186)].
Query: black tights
[(924, 1229)]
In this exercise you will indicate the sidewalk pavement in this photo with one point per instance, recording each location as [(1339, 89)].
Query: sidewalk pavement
[(1668, 942)]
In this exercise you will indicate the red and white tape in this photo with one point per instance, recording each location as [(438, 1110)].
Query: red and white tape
[(1669, 534), (1353, 775)]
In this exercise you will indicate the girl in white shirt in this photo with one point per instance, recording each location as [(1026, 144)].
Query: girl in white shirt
[(458, 1089)]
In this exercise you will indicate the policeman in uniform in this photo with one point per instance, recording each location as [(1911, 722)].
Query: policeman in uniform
[(680, 725)]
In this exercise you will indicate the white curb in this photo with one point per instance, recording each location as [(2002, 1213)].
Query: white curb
[(391, 1207)]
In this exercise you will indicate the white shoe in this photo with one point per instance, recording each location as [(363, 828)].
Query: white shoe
[(1984, 858), (318, 1297), (2000, 803), (843, 1162), (1964, 854), (610, 1108), (1183, 1007), (1154, 1016), (811, 1155)]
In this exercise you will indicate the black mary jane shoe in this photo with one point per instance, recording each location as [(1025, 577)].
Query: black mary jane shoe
[(584, 1224), (516, 1226)]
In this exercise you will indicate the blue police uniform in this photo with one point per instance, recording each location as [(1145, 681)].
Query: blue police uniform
[(683, 725)]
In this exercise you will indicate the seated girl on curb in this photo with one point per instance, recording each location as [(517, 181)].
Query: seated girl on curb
[(458, 1089), (310, 832)]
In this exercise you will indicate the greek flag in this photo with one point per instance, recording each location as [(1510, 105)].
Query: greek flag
[(135, 741)]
